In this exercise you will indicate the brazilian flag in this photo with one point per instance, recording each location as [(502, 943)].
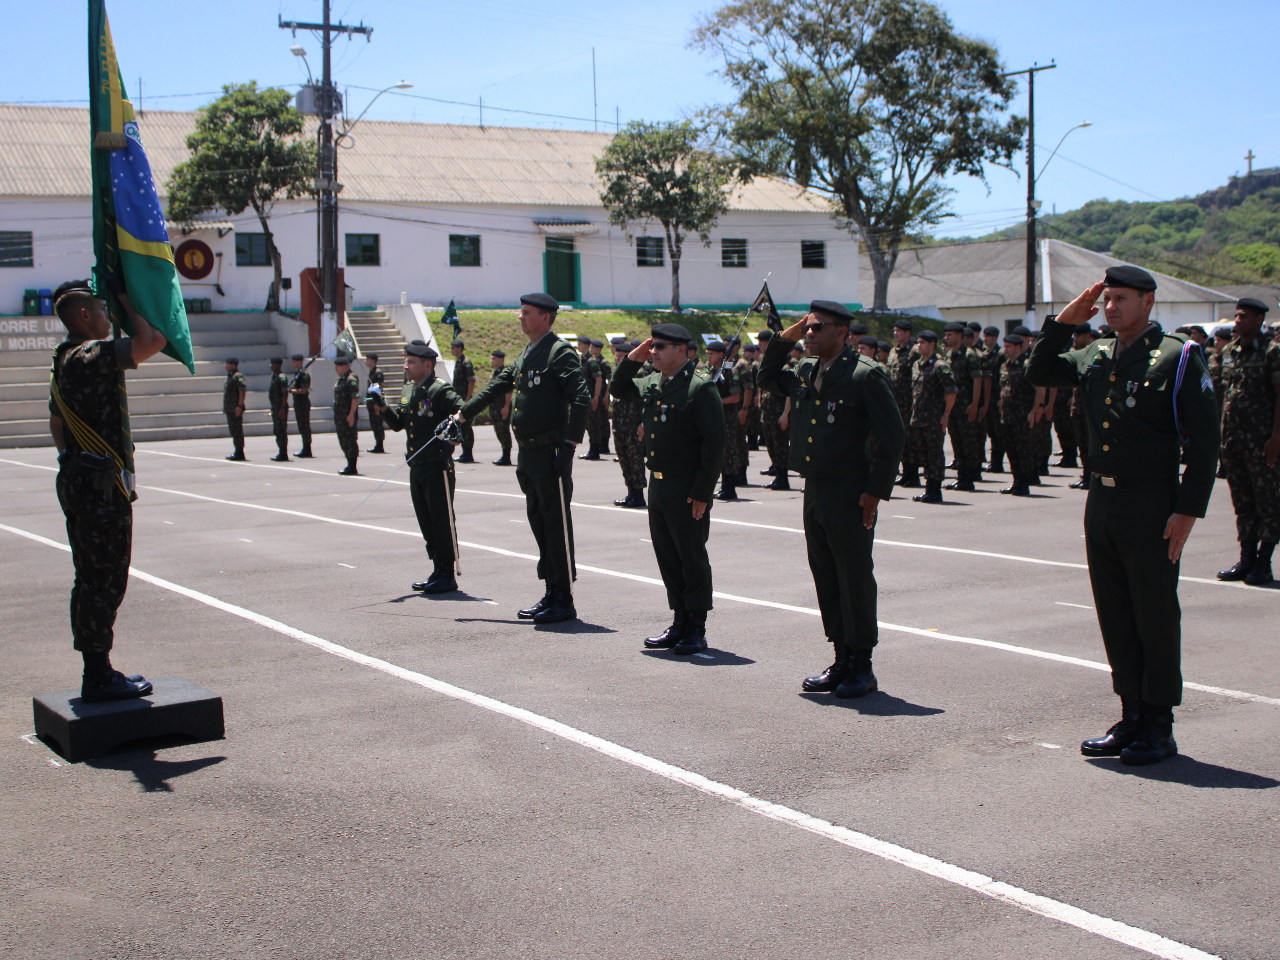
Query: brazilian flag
[(131, 247)]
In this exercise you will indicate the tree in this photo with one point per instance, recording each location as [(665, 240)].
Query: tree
[(246, 152), (871, 102), (656, 171)]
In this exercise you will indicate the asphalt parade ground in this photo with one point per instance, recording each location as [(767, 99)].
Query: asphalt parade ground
[(413, 777)]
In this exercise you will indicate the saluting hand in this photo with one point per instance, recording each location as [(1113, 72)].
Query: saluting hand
[(795, 332), (1082, 308), (643, 352)]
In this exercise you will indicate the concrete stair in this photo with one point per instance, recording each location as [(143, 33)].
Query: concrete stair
[(165, 401), (375, 333)]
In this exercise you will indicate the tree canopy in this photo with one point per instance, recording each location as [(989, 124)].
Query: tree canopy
[(247, 151), (656, 171), (871, 102)]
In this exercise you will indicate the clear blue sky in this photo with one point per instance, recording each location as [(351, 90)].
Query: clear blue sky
[(1177, 91)]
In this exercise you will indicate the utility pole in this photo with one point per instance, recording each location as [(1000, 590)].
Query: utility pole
[(327, 185), (1031, 186)]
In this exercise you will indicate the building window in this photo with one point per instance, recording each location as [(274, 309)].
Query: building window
[(813, 254), (363, 250), (464, 250), (733, 253), (648, 251), (251, 250), (15, 249)]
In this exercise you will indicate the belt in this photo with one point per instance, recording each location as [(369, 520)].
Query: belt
[(1131, 482), (657, 475)]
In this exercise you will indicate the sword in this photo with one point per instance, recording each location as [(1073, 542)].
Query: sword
[(564, 524), (453, 523), (447, 432)]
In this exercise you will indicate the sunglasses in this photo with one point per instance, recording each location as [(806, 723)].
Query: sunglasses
[(660, 346), (818, 326)]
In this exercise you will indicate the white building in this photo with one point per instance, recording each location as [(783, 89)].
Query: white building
[(435, 212)]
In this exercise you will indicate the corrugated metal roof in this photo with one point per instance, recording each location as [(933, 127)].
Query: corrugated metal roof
[(45, 153), (993, 273)]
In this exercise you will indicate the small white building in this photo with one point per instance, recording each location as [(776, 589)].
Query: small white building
[(432, 212)]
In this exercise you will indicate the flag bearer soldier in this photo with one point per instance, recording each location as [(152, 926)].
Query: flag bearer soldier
[(626, 421), (598, 422), (1249, 370), (278, 398), (300, 390), (933, 394), (346, 401), (595, 389), (846, 441), (548, 419), (464, 385), (899, 369), (735, 450), (374, 401), (234, 389), (500, 412), (427, 401), (684, 446), (1139, 512), (95, 489), (772, 405)]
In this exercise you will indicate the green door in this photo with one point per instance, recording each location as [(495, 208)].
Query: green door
[(560, 270)]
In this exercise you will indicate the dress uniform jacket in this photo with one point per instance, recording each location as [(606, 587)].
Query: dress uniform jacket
[(552, 400)]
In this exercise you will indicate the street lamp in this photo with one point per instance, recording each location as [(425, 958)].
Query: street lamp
[(348, 127), (1033, 208), (1079, 126)]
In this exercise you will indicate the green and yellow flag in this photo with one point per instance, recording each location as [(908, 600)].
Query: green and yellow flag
[(130, 243)]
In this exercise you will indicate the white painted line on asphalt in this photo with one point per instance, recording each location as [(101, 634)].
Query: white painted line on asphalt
[(1114, 930), (347, 565), (895, 516), (243, 540), (1082, 606)]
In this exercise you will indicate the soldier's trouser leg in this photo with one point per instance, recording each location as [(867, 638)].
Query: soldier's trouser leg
[(235, 427), (1135, 588), (431, 506), (630, 457), (302, 414), (468, 440), (280, 428), (932, 458), (375, 423), (100, 532), (1016, 441), (348, 439), (680, 544), (535, 472), (502, 430), (839, 551)]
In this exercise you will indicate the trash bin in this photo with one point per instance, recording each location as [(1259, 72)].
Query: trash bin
[(46, 303), (30, 303)]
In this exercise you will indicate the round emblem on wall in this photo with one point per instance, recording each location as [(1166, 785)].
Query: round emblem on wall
[(194, 259)]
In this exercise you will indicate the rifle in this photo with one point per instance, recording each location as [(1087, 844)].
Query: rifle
[(735, 341)]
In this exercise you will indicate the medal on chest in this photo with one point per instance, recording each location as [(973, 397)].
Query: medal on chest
[(831, 412), (1131, 388)]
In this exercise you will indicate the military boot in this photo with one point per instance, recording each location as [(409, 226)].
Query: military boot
[(1154, 741), (1119, 736), (671, 636), (910, 477), (1260, 572), (1248, 555), (858, 680), (694, 639), (528, 613), (780, 482), (828, 679), (558, 609), (932, 493), (728, 491)]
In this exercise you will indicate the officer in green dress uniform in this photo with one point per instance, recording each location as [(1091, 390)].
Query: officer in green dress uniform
[(234, 389), (346, 401), (1141, 391), (846, 441), (89, 425), (278, 399), (684, 440), (374, 401), (427, 401), (548, 419), (300, 390), (500, 412)]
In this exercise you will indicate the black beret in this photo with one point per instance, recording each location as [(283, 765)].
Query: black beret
[(618, 340), (976, 327), (764, 335), (276, 360), (868, 341), (1251, 303), (1022, 330), (542, 301), (904, 324), (716, 345), (883, 345), (1104, 330), (598, 343), (927, 335), (858, 329), (72, 286), (671, 332), (831, 309), (234, 361), (1083, 328), (1013, 338), (583, 338), (342, 360), (750, 346), (297, 356), (500, 354), (954, 328), (419, 348), (1133, 277), (458, 343), (1223, 332), (372, 356), (991, 331)]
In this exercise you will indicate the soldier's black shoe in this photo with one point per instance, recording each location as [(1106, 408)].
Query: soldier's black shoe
[(634, 498), (1154, 741), (779, 483), (304, 455), (376, 449), (1081, 484), (827, 680), (465, 458), (112, 686), (1240, 571), (1018, 489), (348, 471), (236, 456), (965, 486), (280, 458), (503, 461), (439, 583), (590, 455), (909, 482), (1259, 573), (858, 682), (558, 609), (932, 494), (671, 636), (727, 492), (769, 472), (1116, 739), (1067, 460), (693, 641), (996, 466), (528, 613)]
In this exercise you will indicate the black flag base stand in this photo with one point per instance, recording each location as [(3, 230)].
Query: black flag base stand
[(81, 730)]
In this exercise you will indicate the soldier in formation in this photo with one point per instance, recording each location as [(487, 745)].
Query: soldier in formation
[(994, 354), (346, 403), (751, 429), (596, 389), (598, 422), (427, 402), (500, 411), (776, 440), (626, 424), (1248, 369), (933, 394), (684, 442), (300, 390), (374, 401), (234, 389), (1017, 404), (464, 385), (901, 359), (725, 377), (278, 400)]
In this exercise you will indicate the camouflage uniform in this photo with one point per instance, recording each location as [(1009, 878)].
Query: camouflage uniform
[(735, 448), (501, 424), (1250, 376), (278, 399), (746, 374), (931, 382), (464, 374), (901, 360), (754, 429), (991, 425), (1017, 397), (1065, 427), (627, 414), (346, 389), (89, 378), (231, 389), (776, 440), (598, 421), (301, 380), (374, 401), (967, 367)]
